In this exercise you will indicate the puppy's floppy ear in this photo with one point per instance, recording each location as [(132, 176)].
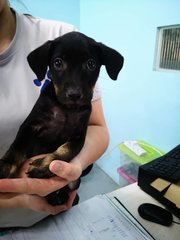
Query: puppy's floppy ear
[(38, 60), (112, 60)]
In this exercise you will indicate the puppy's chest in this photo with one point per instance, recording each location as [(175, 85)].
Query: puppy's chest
[(57, 122)]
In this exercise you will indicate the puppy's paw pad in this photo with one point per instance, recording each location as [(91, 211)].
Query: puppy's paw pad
[(38, 169)]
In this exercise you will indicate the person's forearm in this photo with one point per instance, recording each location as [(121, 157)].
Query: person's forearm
[(96, 142)]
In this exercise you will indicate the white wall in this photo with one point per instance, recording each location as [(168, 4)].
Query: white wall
[(62, 10), (142, 104)]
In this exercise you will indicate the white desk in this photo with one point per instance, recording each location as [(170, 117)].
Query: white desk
[(97, 218), (131, 197)]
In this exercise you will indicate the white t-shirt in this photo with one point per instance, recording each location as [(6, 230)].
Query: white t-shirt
[(19, 90)]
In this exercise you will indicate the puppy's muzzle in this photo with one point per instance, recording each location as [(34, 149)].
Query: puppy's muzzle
[(74, 95)]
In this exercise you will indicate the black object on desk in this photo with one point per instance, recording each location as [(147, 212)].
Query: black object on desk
[(154, 213), (166, 167)]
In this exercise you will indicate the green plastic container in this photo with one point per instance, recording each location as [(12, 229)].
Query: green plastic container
[(130, 161), (151, 152)]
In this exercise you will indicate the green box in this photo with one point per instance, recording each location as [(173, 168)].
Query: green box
[(151, 152)]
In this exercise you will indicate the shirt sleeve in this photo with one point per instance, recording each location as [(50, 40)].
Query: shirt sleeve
[(97, 92)]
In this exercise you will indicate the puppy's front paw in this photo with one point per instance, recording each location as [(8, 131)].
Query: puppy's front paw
[(39, 168)]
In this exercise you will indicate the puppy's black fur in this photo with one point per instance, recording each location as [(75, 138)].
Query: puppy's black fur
[(58, 122)]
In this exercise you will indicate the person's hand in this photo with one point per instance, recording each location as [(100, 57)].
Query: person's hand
[(34, 202), (66, 173), (29, 192)]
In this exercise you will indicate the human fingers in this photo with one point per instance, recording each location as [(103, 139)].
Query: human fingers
[(41, 187), (34, 202), (9, 200), (38, 203), (69, 171)]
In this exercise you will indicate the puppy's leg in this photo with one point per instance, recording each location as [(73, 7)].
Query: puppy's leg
[(15, 156), (10, 164), (39, 168)]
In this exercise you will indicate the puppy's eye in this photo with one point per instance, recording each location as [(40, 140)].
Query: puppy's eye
[(58, 64), (91, 64)]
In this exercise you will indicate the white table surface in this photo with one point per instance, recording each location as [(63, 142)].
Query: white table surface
[(131, 197)]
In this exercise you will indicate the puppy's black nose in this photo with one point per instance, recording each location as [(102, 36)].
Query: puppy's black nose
[(74, 95)]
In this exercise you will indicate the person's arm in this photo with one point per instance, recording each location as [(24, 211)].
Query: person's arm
[(33, 202), (95, 144)]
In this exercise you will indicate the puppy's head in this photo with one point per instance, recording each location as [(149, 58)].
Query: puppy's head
[(74, 61)]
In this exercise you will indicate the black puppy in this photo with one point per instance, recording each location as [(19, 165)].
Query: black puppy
[(58, 122)]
